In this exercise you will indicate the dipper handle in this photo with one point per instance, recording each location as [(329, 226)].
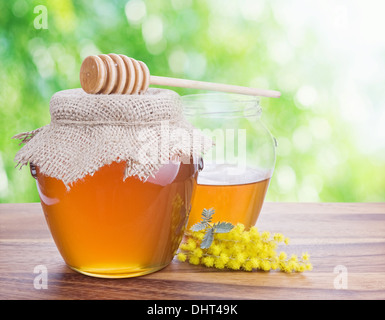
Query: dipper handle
[(120, 74)]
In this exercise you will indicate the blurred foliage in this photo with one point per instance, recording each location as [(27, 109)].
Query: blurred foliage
[(238, 42)]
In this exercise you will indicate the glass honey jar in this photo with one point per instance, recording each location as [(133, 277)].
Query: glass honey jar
[(238, 169), (115, 186), (104, 226)]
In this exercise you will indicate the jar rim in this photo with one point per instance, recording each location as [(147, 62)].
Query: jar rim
[(221, 96), (221, 103)]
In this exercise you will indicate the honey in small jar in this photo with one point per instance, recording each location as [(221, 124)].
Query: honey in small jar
[(237, 198), (239, 167)]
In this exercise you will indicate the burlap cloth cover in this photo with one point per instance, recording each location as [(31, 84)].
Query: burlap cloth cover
[(88, 131)]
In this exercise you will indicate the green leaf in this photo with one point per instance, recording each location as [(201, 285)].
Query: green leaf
[(207, 215), (208, 239), (223, 227), (198, 226)]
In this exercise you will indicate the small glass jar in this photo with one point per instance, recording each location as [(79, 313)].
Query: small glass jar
[(238, 169)]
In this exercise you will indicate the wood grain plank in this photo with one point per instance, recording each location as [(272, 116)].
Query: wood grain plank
[(351, 235)]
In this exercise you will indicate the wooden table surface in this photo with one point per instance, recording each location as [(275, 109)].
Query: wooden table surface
[(346, 242)]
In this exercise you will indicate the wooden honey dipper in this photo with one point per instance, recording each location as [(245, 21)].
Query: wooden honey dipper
[(120, 74)]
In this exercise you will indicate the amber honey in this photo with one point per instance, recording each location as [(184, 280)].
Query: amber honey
[(232, 202), (104, 226)]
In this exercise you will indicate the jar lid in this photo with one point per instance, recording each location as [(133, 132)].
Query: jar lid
[(88, 131)]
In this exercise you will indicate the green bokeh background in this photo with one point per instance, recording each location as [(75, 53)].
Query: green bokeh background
[(329, 122)]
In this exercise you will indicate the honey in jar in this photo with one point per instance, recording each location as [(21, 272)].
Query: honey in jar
[(235, 198), (238, 169), (108, 227), (115, 179)]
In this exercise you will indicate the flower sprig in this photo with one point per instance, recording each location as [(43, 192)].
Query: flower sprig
[(209, 229), (223, 245)]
